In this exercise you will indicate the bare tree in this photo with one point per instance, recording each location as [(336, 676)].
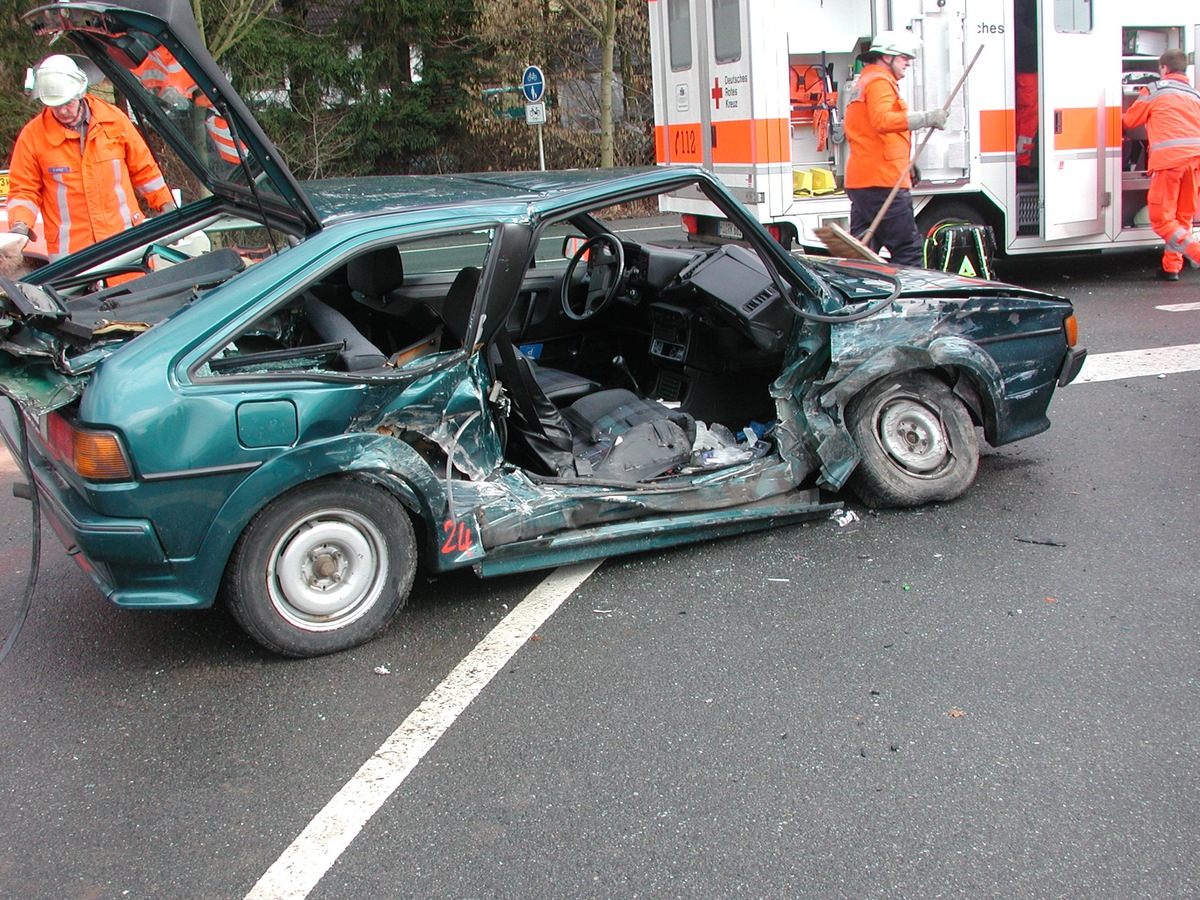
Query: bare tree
[(600, 18), (579, 44), (231, 21)]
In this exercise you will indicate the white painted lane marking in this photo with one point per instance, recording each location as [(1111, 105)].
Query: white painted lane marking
[(1136, 363), (1179, 307), (310, 856)]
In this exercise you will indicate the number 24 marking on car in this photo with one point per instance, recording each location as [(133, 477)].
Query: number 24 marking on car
[(459, 537)]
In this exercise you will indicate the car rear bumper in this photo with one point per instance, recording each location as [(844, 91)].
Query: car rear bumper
[(123, 556), (1071, 366)]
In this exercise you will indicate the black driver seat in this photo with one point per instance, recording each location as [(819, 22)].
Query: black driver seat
[(559, 386), (610, 434)]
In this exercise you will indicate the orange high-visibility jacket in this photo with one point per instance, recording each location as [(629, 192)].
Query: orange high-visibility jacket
[(1170, 110), (877, 129), (161, 74), (84, 195)]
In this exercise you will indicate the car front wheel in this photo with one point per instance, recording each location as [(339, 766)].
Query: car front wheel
[(917, 441), (322, 568)]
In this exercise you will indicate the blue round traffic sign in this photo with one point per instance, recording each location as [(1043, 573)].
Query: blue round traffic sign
[(533, 84)]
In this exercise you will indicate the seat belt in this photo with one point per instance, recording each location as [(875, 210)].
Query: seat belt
[(524, 397)]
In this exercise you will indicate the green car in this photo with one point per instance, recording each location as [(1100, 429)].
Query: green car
[(312, 389)]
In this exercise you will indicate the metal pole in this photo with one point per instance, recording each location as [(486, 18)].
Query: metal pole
[(541, 149)]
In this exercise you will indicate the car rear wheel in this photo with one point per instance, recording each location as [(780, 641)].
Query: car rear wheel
[(322, 568), (917, 441)]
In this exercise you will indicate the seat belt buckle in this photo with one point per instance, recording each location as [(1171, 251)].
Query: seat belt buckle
[(499, 399)]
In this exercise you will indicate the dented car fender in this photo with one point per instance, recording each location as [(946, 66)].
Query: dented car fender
[(983, 392), (948, 352)]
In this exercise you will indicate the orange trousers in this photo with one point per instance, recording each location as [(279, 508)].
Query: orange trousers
[(1171, 203)]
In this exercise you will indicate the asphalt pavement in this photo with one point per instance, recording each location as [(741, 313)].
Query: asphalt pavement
[(991, 697)]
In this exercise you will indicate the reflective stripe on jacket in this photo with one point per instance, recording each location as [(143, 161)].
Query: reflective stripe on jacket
[(1170, 110), (877, 129), (84, 196), (162, 75)]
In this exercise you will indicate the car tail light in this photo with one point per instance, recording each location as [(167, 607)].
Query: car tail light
[(95, 455), (1071, 327)]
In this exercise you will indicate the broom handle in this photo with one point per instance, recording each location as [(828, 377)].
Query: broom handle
[(870, 232)]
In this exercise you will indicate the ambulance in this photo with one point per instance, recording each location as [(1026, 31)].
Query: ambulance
[(755, 90)]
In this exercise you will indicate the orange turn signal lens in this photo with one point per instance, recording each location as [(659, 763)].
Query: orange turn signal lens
[(94, 455), (1071, 327)]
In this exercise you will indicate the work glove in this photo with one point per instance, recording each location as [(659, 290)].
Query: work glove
[(13, 240), (933, 118)]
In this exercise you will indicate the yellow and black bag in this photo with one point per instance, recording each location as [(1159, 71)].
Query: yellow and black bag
[(960, 248)]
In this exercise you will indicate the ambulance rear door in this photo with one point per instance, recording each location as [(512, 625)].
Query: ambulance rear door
[(678, 60), (730, 143), (1078, 67)]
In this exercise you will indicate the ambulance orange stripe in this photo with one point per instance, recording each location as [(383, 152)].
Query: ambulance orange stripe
[(678, 143), (774, 141), (997, 130), (740, 142), (746, 141)]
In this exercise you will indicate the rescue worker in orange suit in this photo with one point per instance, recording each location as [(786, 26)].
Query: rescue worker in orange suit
[(879, 130), (81, 163), (1170, 110)]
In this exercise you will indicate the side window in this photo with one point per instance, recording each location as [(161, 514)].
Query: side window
[(549, 250), (679, 28), (372, 314), (445, 253), (1073, 16), (727, 30)]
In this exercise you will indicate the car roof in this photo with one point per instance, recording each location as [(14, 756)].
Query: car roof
[(505, 195)]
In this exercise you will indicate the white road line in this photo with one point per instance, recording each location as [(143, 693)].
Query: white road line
[(326, 837), (1179, 307), (1136, 363)]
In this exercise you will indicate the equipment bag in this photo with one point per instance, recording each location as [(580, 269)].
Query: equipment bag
[(960, 248)]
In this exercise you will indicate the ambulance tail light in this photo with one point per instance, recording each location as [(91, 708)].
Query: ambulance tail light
[(691, 223)]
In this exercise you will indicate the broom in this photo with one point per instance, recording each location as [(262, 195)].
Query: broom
[(838, 241)]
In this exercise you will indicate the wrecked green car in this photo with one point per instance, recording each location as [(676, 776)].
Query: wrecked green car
[(309, 390)]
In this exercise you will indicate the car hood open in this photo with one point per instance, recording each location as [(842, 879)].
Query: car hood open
[(154, 55)]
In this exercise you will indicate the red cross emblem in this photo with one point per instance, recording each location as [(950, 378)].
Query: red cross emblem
[(717, 93)]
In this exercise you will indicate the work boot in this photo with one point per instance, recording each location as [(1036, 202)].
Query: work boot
[(1164, 275)]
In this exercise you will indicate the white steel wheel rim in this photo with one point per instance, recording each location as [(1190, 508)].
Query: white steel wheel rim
[(912, 434), (327, 571)]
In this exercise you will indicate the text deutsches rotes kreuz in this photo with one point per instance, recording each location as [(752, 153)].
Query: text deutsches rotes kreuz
[(725, 91)]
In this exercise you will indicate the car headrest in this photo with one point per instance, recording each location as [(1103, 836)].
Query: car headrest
[(376, 273)]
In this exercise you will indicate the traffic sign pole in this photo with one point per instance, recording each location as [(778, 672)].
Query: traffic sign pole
[(533, 86)]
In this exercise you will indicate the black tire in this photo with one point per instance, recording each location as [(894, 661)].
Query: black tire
[(322, 568), (917, 441), (941, 211)]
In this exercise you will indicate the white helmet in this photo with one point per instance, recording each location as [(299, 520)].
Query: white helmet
[(58, 81), (896, 43)]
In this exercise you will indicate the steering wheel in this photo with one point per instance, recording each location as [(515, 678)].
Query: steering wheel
[(599, 281)]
